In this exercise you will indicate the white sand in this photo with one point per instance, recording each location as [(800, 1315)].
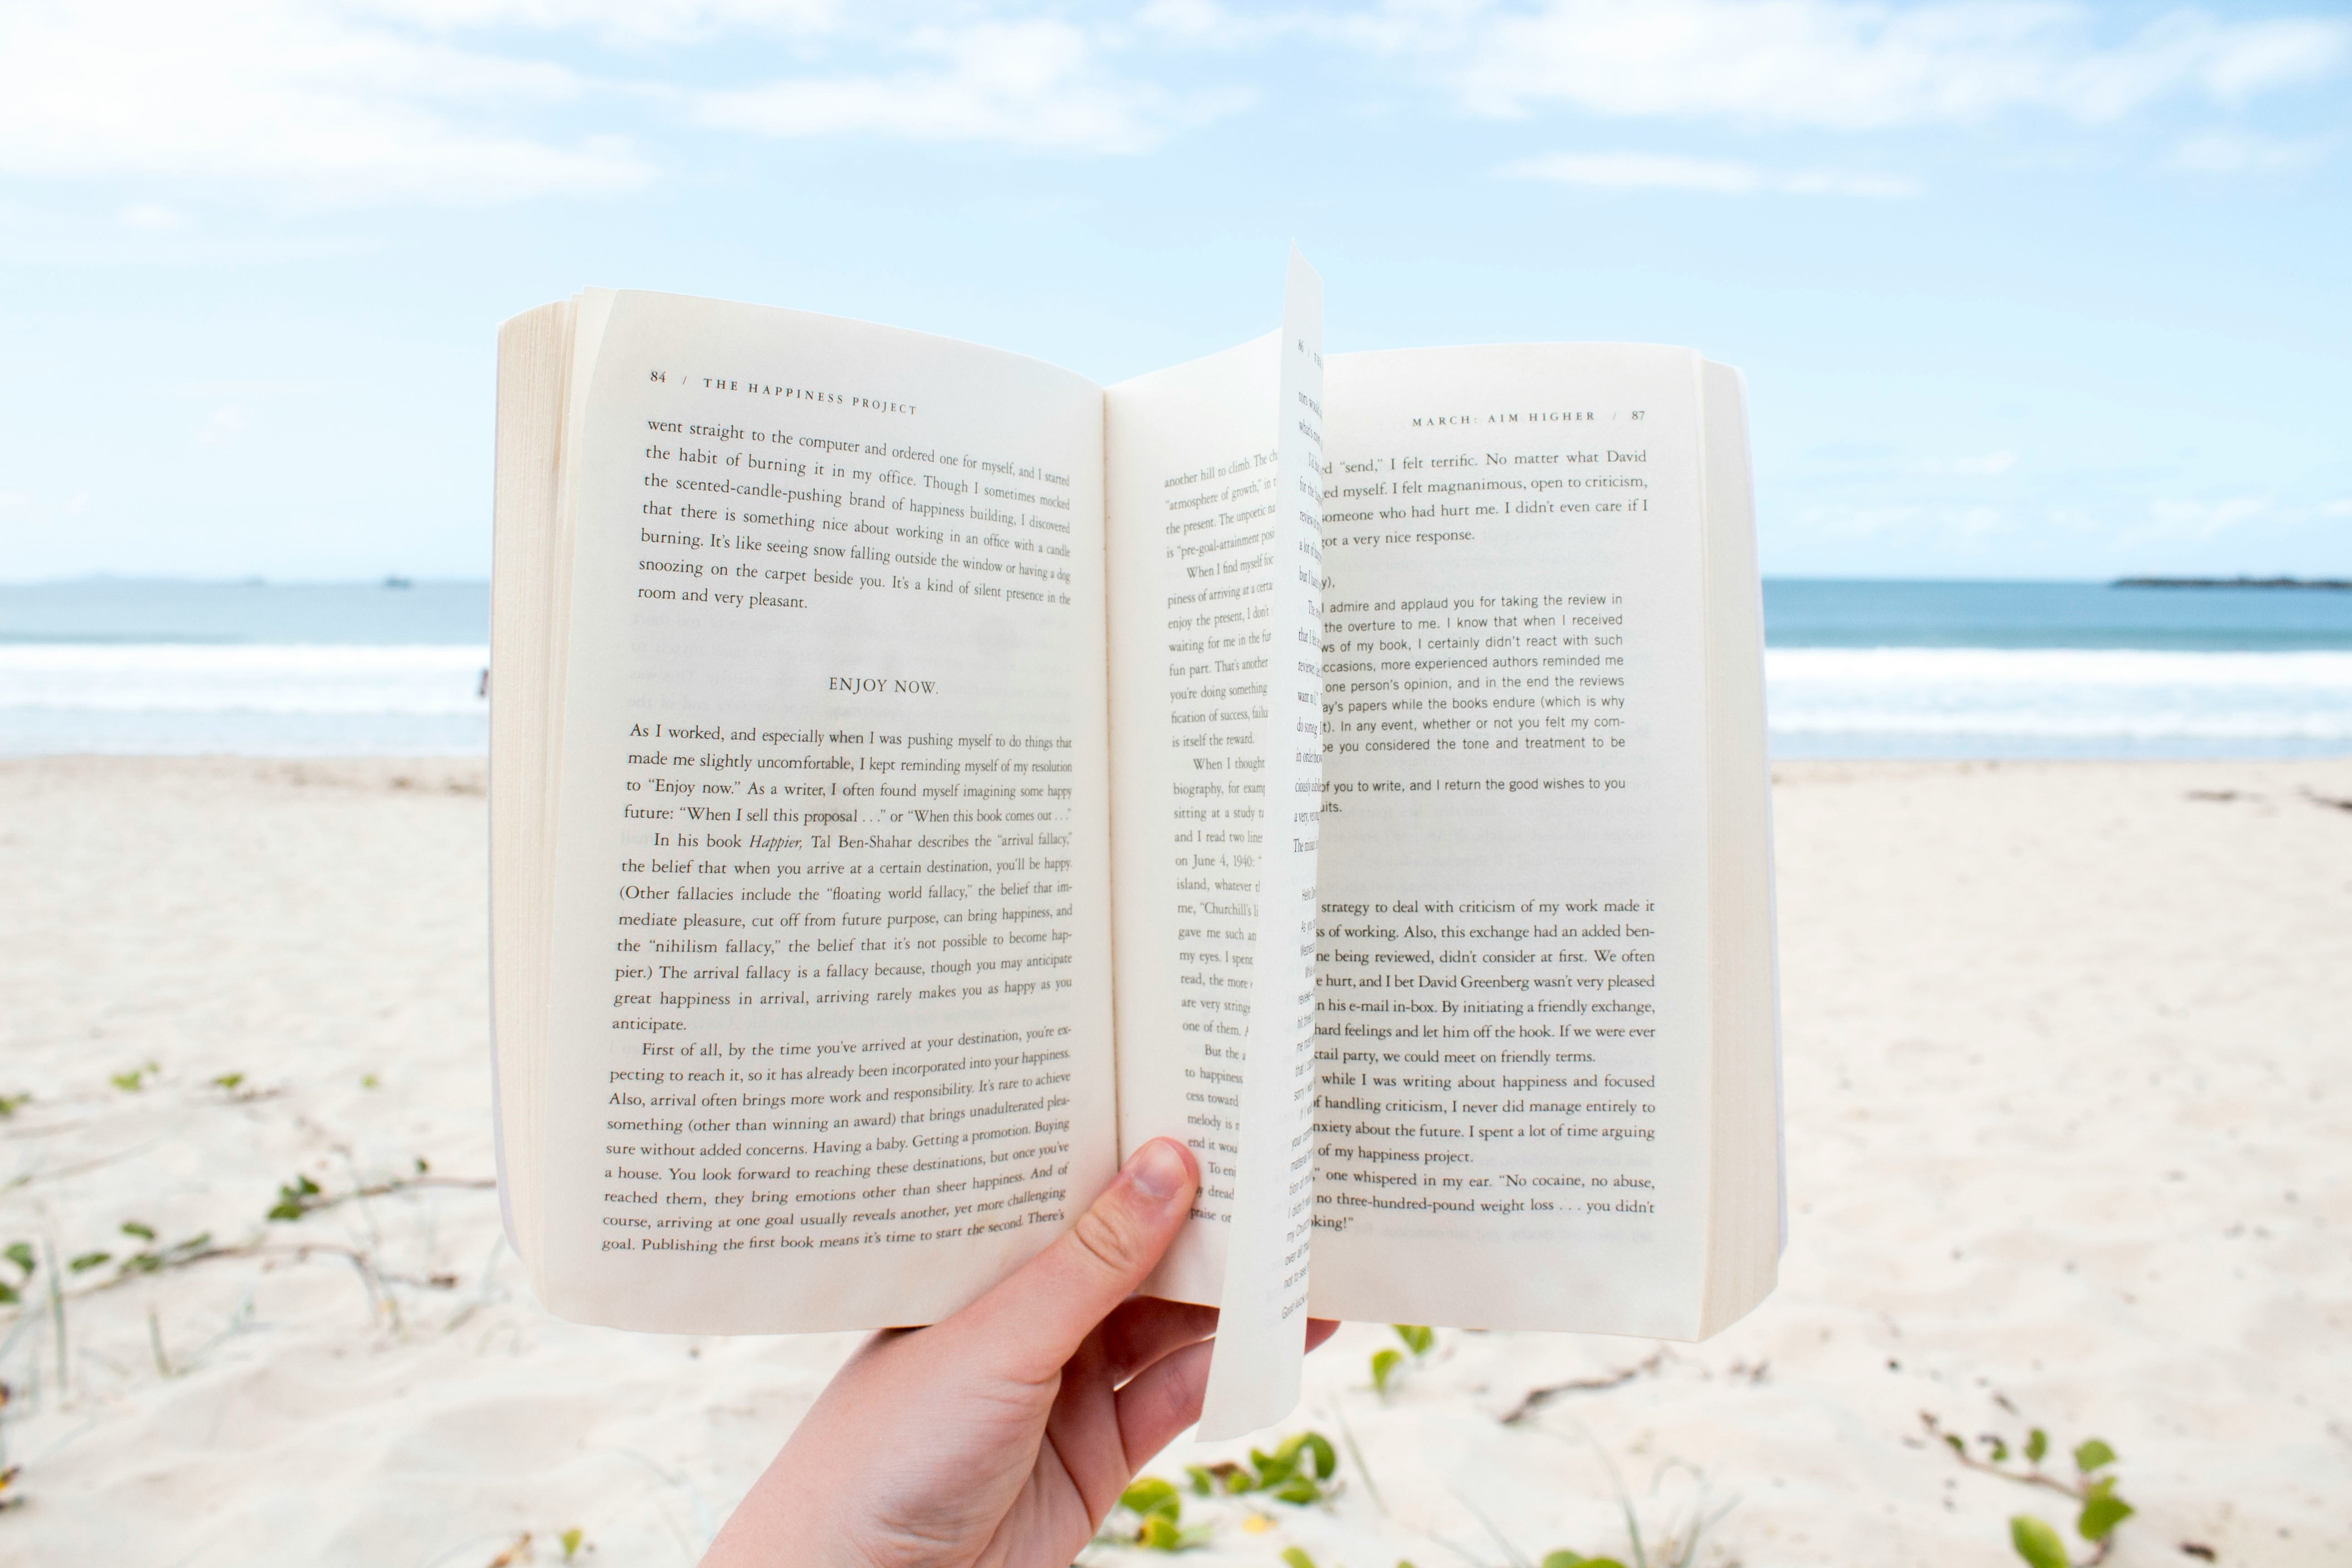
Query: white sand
[(2070, 1115)]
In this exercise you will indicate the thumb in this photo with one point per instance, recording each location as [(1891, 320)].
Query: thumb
[(1034, 1318)]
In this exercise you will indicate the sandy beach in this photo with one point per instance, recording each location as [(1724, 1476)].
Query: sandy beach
[(2069, 1097)]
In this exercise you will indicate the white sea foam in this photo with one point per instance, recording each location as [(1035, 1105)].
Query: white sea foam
[(242, 678), (2206, 700), (415, 699)]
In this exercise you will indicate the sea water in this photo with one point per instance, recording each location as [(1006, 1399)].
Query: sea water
[(1852, 669), (2056, 669)]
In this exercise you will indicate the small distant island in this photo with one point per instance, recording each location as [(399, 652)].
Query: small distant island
[(2336, 583)]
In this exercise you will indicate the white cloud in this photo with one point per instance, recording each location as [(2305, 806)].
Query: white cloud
[(153, 217), (2243, 152), (652, 21), (1846, 65), (281, 94), (227, 424), (1719, 176), (1984, 465), (1039, 84), (2200, 520)]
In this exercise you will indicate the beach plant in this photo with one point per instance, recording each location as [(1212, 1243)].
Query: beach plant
[(1388, 1364), (134, 1080), (154, 1260), (19, 1253), (294, 1198), (303, 1196), (2099, 1508), (1687, 1523), (1158, 1510), (1298, 1471)]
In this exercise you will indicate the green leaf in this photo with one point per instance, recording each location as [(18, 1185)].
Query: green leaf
[(1273, 1469), (1417, 1338), (1296, 1557), (203, 1238), (143, 1232), (1564, 1559), (2037, 1443), (12, 1103), (1384, 1365), (228, 1080), (1299, 1490), (8, 1296), (20, 1253), (1326, 1459), (88, 1261), (141, 1263), (1152, 1498), (130, 1082), (571, 1540), (1160, 1533), (369, 1080), (2036, 1543), (292, 1198), (2101, 1515), (421, 1166), (2091, 1454), (2000, 1448), (1204, 1483), (1958, 1447)]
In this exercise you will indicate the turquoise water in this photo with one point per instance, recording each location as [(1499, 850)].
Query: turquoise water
[(1854, 668), (1812, 612)]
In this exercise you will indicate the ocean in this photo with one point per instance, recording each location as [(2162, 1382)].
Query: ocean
[(1854, 669)]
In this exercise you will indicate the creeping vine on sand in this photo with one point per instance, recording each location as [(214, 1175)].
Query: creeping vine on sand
[(2099, 1508), (1389, 1365), (1298, 1471)]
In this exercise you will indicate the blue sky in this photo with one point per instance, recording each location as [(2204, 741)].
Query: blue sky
[(2020, 288)]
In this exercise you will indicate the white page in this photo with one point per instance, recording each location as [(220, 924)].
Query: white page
[(1215, 604), (835, 677), (1513, 993)]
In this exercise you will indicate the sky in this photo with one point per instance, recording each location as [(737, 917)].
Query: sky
[(2020, 288)]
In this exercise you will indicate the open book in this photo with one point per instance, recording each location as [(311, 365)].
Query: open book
[(921, 775)]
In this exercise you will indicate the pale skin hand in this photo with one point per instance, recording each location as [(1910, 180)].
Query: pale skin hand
[(1000, 1438)]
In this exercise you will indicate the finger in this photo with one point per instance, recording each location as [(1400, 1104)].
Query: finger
[(1164, 1400), (1037, 1316), (1146, 1327)]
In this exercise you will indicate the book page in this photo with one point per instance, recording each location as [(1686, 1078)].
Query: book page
[(1512, 995), (1214, 471), (829, 1039)]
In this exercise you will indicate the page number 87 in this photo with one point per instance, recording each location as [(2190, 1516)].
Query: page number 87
[(1635, 414)]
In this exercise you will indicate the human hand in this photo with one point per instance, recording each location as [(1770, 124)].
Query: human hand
[(1001, 1436)]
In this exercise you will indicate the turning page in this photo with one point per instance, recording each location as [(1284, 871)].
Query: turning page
[(829, 1021), (1513, 987), (1213, 477)]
